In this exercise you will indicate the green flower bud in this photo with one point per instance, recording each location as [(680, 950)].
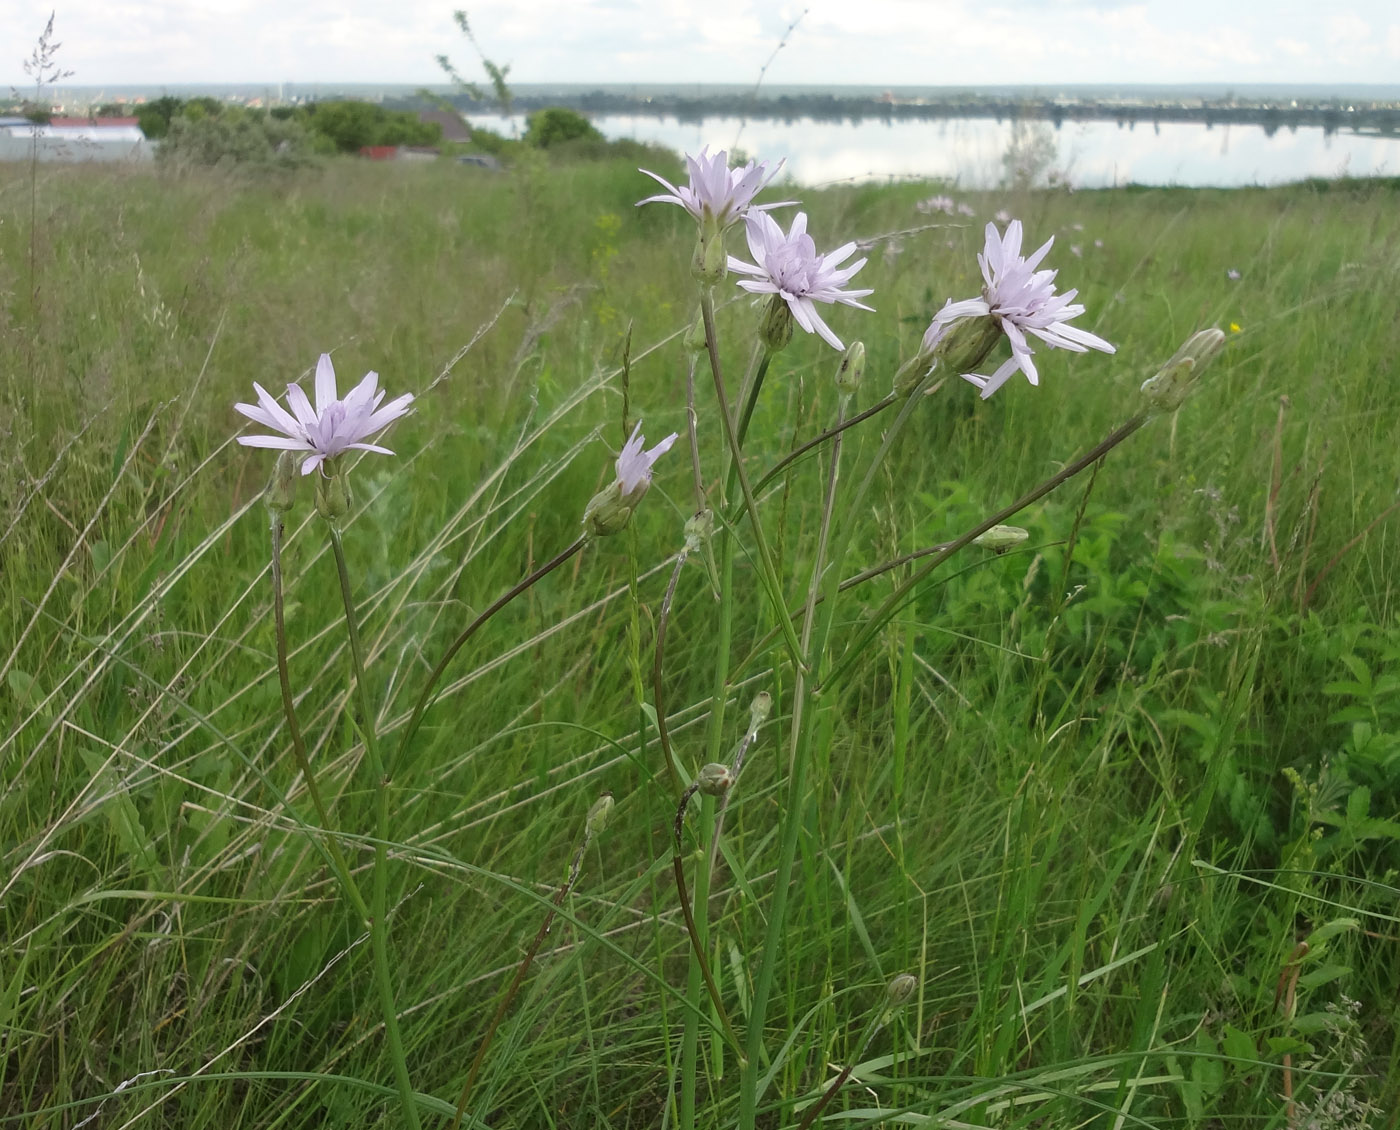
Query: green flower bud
[(1169, 388), (710, 263), (281, 493), (332, 496), (598, 816), (699, 528), (607, 511), (958, 347), (851, 369), (775, 331), (1001, 538), (714, 779), (759, 710), (901, 989)]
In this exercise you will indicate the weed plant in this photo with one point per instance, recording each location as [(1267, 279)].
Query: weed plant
[(1122, 799)]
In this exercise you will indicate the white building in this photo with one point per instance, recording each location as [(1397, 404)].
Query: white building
[(74, 139)]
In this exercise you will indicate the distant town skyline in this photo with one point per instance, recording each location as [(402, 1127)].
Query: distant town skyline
[(892, 42)]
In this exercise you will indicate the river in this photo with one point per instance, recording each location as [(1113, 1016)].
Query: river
[(968, 152)]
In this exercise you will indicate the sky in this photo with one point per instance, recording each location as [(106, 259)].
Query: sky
[(880, 42)]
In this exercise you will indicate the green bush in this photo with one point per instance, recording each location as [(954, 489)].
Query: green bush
[(545, 128), (350, 126), (237, 137), (155, 117)]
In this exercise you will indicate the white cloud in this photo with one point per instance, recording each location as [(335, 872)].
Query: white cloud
[(1347, 30), (883, 42)]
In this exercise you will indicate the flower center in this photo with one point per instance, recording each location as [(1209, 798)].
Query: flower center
[(793, 266)]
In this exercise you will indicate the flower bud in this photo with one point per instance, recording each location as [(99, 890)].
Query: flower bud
[(607, 511), (775, 331), (710, 263), (332, 496), (699, 528), (1001, 538), (958, 346), (281, 493), (851, 369), (714, 779), (901, 989), (598, 816), (759, 710), (1169, 388)]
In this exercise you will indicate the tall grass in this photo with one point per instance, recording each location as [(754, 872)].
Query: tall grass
[(1092, 792)]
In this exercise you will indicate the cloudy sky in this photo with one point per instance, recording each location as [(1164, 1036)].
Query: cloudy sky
[(884, 42)]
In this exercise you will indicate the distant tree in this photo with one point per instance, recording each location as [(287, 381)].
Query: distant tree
[(110, 110), (203, 107), (234, 138), (38, 112), (155, 117), (555, 125), (350, 126)]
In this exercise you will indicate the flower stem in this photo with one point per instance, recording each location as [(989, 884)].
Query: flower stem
[(378, 926), (289, 712), (697, 921), (425, 698), (792, 814), (698, 924), (765, 557), (872, 1026), (663, 620), (691, 431), (751, 398), (678, 867)]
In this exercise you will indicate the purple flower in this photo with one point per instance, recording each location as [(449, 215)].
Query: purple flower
[(789, 266), (332, 426), (716, 193), (966, 210), (934, 204), (1233, 275), (1023, 301), (634, 465), (609, 511)]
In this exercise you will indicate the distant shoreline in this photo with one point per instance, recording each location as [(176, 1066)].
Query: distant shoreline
[(1359, 109), (1382, 119)]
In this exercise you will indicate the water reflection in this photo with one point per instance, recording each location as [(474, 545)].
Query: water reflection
[(969, 151)]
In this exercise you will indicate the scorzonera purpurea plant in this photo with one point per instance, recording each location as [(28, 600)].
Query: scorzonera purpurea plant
[(816, 639)]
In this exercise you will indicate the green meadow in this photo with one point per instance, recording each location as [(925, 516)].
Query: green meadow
[(1124, 799)]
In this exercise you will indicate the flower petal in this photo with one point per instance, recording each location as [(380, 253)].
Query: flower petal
[(325, 383), (305, 414), (282, 443), (388, 414), (276, 416)]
